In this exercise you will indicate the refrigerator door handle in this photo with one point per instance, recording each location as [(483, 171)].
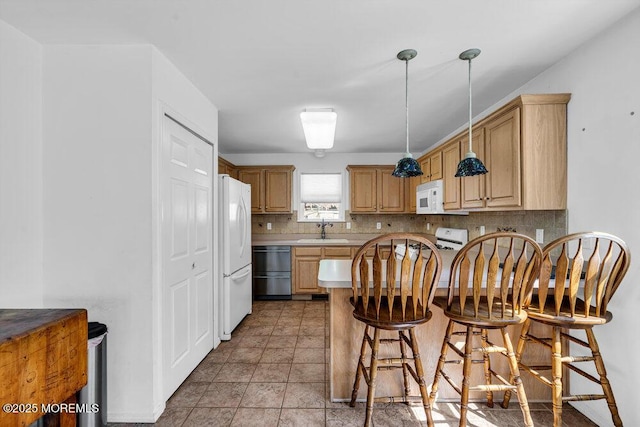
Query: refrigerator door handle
[(236, 277)]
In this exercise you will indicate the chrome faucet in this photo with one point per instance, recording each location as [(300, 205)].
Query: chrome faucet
[(323, 225)]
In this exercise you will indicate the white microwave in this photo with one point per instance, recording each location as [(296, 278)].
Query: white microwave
[(429, 199)]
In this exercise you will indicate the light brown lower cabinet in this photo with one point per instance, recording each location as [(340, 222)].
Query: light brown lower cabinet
[(305, 264)]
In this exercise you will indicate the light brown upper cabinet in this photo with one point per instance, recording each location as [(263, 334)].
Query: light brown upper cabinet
[(270, 187), (228, 168), (473, 194), (497, 144), (524, 147), (451, 155), (363, 189), (254, 177), (374, 190), (431, 164), (502, 147)]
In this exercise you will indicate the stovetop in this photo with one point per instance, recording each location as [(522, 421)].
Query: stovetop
[(444, 248)]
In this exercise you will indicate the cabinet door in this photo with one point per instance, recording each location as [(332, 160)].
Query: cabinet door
[(277, 191), (363, 190), (425, 165), (222, 168), (450, 160), (502, 152), (411, 190), (225, 167), (435, 165), (306, 262), (254, 177), (390, 191), (473, 193)]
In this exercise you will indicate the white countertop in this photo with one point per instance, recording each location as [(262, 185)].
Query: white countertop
[(336, 273), (352, 239)]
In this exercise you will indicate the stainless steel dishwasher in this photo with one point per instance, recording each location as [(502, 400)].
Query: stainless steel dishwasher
[(272, 272)]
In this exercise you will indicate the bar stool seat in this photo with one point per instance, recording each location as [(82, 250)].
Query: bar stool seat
[(547, 314), (384, 320), (465, 315), (399, 273)]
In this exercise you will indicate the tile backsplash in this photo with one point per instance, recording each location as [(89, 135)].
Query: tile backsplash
[(554, 223)]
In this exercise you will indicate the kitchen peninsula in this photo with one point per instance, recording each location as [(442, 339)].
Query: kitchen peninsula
[(346, 337)]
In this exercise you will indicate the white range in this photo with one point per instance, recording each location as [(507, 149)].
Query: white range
[(336, 273), (451, 238)]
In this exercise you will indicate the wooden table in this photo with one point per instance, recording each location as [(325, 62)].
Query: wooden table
[(43, 363)]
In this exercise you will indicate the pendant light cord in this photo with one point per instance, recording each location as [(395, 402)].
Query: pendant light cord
[(470, 115), (406, 99)]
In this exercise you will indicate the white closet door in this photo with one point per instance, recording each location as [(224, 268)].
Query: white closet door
[(187, 255)]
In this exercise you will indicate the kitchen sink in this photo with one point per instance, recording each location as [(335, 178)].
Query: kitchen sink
[(323, 241)]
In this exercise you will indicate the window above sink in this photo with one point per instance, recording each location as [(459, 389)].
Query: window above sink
[(321, 197)]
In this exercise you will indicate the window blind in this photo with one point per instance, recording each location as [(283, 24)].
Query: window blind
[(321, 188)]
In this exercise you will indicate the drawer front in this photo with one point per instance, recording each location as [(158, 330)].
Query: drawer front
[(307, 251), (343, 251)]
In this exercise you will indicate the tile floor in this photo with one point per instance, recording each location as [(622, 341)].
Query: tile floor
[(274, 372)]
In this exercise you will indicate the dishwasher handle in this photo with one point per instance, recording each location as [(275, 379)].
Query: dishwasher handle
[(271, 249)]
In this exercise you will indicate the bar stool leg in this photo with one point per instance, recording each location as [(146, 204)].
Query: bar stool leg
[(516, 380), (415, 349), (373, 376), (466, 373), (556, 374), (441, 361), (405, 371), (487, 366), (359, 368), (604, 381), (522, 341)]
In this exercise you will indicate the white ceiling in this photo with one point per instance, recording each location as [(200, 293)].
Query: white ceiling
[(262, 62)]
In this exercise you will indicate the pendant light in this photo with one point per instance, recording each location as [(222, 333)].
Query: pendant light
[(407, 166), (470, 165)]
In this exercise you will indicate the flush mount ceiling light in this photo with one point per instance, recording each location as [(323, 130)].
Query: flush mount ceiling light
[(319, 125), (470, 165), (407, 166)]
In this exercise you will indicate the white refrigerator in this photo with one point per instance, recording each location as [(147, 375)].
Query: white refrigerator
[(235, 250)]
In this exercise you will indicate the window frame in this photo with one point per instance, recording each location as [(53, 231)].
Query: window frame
[(343, 202)]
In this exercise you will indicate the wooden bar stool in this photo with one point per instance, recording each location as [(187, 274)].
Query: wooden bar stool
[(579, 275), (399, 273), (487, 287)]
